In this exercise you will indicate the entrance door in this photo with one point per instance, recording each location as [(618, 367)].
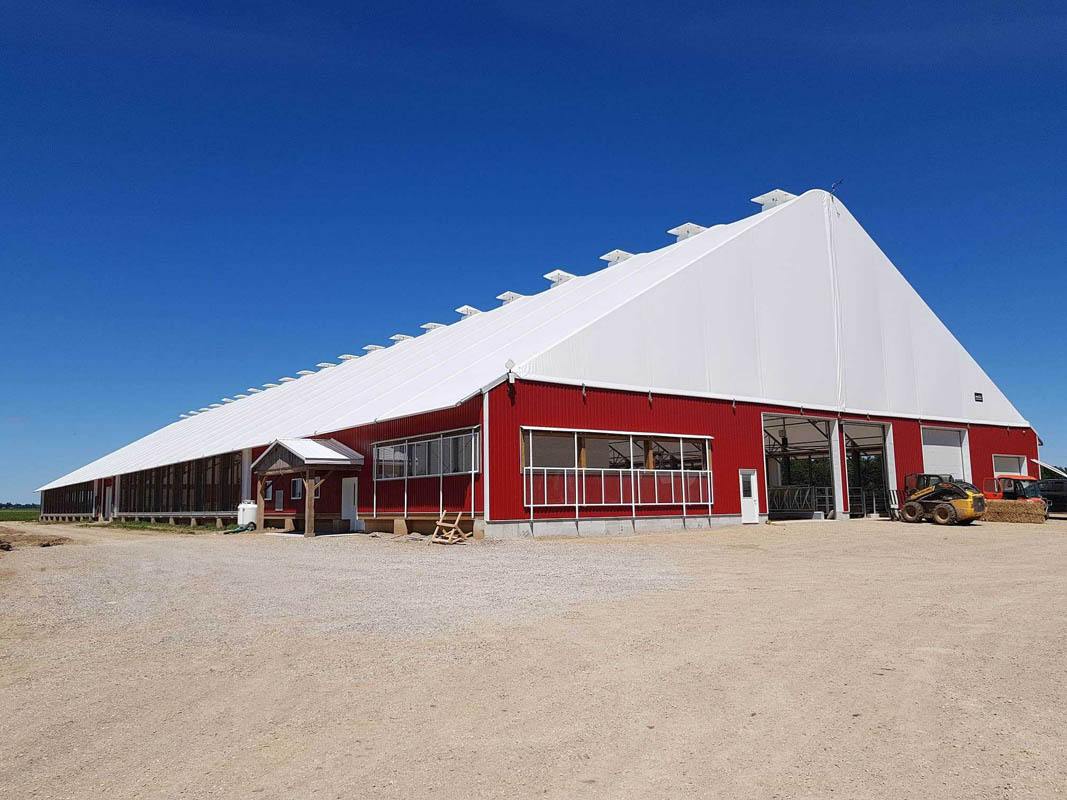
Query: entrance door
[(749, 500), (279, 500), (349, 498), (107, 503)]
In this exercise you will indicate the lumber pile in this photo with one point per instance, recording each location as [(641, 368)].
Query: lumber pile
[(1013, 511)]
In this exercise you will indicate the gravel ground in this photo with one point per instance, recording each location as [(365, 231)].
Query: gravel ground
[(868, 659)]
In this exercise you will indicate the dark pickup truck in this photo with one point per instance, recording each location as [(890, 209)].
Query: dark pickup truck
[(1054, 490)]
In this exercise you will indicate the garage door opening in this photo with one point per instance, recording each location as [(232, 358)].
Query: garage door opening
[(800, 474), (866, 468)]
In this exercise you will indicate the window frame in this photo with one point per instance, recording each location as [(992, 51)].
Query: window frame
[(411, 445)]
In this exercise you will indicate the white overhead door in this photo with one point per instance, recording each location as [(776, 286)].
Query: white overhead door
[(1009, 465), (943, 452)]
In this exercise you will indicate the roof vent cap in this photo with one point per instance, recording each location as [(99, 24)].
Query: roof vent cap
[(773, 199), (347, 356), (685, 230), (215, 405), (370, 348), (325, 365), (286, 379), (432, 326), (253, 390), (558, 276), (240, 396), (509, 297), (615, 256), (400, 337), (227, 399), (468, 311)]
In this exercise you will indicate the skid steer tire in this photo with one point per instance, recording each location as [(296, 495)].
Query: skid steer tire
[(912, 512), (944, 514), (965, 521)]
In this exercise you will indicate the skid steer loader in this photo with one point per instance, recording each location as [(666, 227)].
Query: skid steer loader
[(942, 498)]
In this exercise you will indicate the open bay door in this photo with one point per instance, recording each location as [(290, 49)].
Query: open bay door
[(943, 453)]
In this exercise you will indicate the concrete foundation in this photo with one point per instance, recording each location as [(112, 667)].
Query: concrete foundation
[(607, 526)]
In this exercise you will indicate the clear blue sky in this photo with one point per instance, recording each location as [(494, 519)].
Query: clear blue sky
[(170, 170)]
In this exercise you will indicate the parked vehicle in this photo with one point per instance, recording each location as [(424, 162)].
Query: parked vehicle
[(1054, 490), (941, 498), (1014, 487)]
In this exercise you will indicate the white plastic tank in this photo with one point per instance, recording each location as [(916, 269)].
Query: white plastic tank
[(246, 513)]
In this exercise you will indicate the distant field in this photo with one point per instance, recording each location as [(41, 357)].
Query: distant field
[(18, 514)]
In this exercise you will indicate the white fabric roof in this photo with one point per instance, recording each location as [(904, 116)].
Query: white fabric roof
[(795, 305)]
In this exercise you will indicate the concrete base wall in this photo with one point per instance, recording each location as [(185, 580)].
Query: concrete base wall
[(612, 526)]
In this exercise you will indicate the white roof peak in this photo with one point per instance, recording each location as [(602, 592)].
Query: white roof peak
[(509, 296), (468, 311), (432, 326), (685, 230), (773, 198), (615, 256), (558, 276)]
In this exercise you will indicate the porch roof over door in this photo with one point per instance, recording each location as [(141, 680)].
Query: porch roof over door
[(293, 455)]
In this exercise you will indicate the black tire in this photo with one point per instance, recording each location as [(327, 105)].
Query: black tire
[(251, 526), (944, 514), (965, 521), (912, 512)]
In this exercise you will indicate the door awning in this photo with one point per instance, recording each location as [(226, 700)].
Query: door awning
[(1057, 470), (296, 455)]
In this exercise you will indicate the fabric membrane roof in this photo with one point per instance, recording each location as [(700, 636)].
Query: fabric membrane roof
[(795, 305)]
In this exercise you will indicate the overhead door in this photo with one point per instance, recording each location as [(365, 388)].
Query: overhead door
[(1009, 465), (943, 452)]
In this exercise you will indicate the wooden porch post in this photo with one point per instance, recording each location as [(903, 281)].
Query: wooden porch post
[(309, 504), (261, 483)]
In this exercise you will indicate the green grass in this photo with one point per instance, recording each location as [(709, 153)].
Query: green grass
[(18, 514), (161, 527)]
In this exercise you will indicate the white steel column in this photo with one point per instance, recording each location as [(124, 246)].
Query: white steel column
[(485, 456), (890, 458), (246, 474), (835, 462)]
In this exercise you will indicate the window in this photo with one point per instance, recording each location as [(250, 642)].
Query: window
[(268, 492), (566, 450), (978, 397), (296, 488), (428, 457)]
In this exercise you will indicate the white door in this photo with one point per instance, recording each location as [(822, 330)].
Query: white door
[(349, 497), (943, 452), (749, 499)]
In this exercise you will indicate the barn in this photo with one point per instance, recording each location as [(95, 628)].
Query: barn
[(775, 366)]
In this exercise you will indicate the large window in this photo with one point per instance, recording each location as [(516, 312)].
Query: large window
[(428, 457), (584, 468), (576, 449)]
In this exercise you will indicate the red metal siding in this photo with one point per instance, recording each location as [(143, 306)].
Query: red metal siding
[(424, 494), (738, 442)]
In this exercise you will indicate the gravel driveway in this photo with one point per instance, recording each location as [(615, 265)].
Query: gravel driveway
[(868, 659)]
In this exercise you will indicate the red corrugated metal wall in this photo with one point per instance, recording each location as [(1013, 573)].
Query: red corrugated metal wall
[(737, 431), (424, 494)]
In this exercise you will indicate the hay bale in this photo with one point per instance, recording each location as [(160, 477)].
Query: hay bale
[(1013, 511)]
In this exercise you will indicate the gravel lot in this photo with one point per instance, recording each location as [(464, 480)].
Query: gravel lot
[(868, 659)]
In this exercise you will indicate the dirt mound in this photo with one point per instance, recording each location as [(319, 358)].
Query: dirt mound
[(1013, 511), (11, 539)]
